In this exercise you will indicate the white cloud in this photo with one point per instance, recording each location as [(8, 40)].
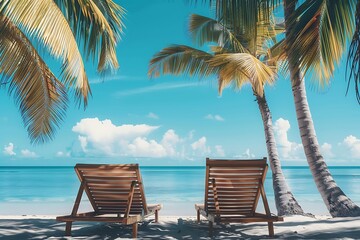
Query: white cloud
[(219, 151), (170, 141), (326, 150), (27, 153), (63, 154), (352, 143), (103, 138), (83, 142), (247, 154), (9, 149), (200, 147), (152, 115), (141, 147), (214, 117), (287, 149)]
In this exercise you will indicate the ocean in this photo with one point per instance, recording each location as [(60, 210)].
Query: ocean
[(52, 190)]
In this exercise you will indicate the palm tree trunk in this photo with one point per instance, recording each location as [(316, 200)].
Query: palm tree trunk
[(285, 202), (338, 204)]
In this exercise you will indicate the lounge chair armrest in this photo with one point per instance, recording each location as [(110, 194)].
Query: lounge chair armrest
[(130, 198), (154, 207), (199, 206)]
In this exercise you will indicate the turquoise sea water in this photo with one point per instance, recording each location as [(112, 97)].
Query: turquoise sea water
[(52, 190)]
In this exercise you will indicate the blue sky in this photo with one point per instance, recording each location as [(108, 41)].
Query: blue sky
[(180, 120)]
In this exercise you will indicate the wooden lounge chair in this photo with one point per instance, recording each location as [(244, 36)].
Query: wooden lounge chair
[(232, 191), (116, 194)]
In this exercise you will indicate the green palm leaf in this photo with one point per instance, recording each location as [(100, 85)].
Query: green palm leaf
[(40, 95)]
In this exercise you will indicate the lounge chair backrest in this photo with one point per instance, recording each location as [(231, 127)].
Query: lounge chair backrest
[(232, 187), (108, 187)]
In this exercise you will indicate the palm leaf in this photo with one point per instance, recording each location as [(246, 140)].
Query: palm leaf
[(99, 24), (38, 19), (181, 59), (353, 59), (204, 30), (243, 15), (40, 95), (319, 35), (242, 67)]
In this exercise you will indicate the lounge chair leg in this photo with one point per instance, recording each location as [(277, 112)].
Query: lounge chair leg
[(198, 216), (211, 229), (156, 216), (68, 228), (271, 229), (134, 230)]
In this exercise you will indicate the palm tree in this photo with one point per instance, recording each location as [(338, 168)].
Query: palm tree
[(316, 33), (235, 61), (29, 26)]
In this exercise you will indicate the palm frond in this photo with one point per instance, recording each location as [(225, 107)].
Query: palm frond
[(277, 56), (40, 95), (99, 24), (44, 20), (266, 33), (242, 67), (353, 59), (319, 35), (181, 59), (205, 30)]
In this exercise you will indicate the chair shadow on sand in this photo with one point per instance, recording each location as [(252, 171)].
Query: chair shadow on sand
[(181, 229)]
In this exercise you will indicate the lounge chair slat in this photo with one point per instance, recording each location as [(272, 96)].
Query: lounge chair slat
[(110, 185), (109, 196), (110, 179), (230, 208), (105, 172), (232, 198), (237, 190), (237, 185), (235, 201), (236, 176), (237, 171), (238, 194), (238, 180)]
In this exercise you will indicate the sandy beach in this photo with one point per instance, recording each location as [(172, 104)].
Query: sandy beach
[(176, 227)]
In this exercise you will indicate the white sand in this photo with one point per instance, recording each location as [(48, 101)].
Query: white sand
[(175, 227)]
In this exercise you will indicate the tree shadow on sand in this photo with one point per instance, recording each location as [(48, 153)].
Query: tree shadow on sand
[(186, 228)]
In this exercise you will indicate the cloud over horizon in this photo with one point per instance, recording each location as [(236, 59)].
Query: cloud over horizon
[(28, 154), (104, 138), (352, 144), (287, 149), (9, 149)]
